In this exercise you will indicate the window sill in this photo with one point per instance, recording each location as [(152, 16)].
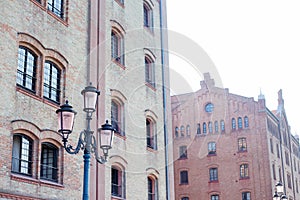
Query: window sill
[(182, 158), (214, 181), (242, 151), (244, 178), (123, 137), (149, 30), (30, 180), (150, 86), (120, 3), (34, 96), (182, 184), (116, 198), (211, 154), (118, 63), (151, 149)]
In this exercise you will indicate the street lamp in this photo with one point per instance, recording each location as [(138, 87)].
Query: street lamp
[(279, 194), (87, 141)]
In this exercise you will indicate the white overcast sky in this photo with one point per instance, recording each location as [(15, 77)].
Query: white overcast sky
[(254, 45)]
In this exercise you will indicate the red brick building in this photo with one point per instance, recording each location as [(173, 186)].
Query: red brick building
[(228, 146)]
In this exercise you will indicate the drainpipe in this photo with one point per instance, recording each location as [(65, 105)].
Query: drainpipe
[(163, 40)]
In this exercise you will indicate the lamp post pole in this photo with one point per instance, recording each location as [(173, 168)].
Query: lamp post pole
[(87, 141)]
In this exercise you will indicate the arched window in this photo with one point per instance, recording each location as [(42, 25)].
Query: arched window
[(240, 123), (204, 128), (198, 129), (152, 188), (117, 110), (117, 181), (246, 122), (233, 123), (216, 127), (184, 198), (210, 128), (51, 81), (188, 130), (22, 154), (27, 64), (148, 16), (149, 71), (222, 126), (176, 131), (49, 162), (151, 133), (182, 131), (117, 47)]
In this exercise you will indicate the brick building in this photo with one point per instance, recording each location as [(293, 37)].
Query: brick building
[(51, 50), (227, 146)]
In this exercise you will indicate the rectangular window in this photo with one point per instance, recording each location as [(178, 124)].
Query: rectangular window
[(242, 144), (184, 177), (214, 197), (278, 153), (211, 148), (289, 180), (116, 117), (287, 159), (56, 6), (182, 152), (246, 196), (271, 145), (244, 171), (213, 174), (274, 172)]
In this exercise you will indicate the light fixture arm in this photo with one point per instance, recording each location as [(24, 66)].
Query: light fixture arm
[(80, 145), (94, 149)]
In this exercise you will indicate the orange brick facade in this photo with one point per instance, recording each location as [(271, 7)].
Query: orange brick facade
[(234, 150)]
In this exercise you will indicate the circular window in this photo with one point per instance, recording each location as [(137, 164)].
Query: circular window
[(209, 107)]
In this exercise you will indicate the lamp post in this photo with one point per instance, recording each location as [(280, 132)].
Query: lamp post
[(279, 194), (87, 141)]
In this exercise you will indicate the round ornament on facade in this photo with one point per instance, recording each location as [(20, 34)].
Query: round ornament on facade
[(209, 107)]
